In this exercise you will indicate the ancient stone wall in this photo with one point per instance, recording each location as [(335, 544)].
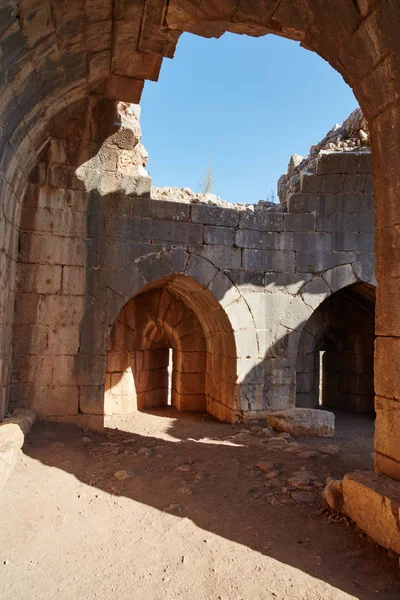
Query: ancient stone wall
[(88, 244)]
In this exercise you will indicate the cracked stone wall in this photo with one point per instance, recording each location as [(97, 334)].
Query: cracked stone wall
[(92, 238)]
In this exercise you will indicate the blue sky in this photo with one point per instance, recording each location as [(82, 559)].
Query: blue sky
[(247, 103)]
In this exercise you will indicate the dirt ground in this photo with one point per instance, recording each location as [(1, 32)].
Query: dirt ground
[(174, 506)]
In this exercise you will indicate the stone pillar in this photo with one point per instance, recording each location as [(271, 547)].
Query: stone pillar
[(384, 129)]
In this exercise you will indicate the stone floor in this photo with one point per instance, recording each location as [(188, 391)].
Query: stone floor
[(180, 506)]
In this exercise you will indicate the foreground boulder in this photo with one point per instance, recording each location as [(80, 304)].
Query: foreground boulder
[(303, 421)]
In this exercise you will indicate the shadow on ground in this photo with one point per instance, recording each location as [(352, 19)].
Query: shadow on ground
[(194, 467)]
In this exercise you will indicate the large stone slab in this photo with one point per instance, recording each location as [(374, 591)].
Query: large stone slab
[(373, 502), (303, 421), (12, 436)]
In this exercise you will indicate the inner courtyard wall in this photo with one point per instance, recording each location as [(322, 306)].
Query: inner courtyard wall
[(84, 254)]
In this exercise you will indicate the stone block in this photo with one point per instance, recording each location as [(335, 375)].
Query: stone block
[(52, 250), (386, 431), (74, 281), (304, 203), (24, 418), (337, 222), (364, 162), (31, 368), (189, 402), (354, 184), (319, 243), (63, 339), (179, 258), (61, 310), (387, 374), (310, 183), (366, 223), (223, 236), (364, 269), (62, 401), (222, 257), (177, 233), (369, 185), (247, 281), (154, 266), (190, 383), (299, 222), (63, 370), (90, 369), (214, 215), (343, 240), (268, 260), (36, 219), (11, 433), (337, 162), (223, 290), (161, 209), (251, 238), (30, 339), (365, 243), (303, 421), (373, 502), (310, 262), (200, 270), (42, 279), (261, 220), (9, 454), (340, 277), (91, 399), (190, 362), (333, 495), (93, 422), (333, 184), (129, 228)]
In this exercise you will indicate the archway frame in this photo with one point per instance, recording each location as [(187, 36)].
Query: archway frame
[(220, 349)]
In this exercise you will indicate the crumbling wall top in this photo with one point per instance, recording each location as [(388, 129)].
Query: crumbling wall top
[(350, 137)]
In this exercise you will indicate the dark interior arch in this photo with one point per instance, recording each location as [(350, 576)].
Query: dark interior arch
[(336, 349)]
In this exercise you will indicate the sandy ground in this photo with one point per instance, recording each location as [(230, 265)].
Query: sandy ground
[(173, 506)]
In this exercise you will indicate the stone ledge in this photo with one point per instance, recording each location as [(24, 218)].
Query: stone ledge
[(12, 436), (373, 502)]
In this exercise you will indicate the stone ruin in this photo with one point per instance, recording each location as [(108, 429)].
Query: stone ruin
[(79, 244), (114, 275)]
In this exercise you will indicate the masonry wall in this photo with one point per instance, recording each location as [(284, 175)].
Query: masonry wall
[(83, 255)]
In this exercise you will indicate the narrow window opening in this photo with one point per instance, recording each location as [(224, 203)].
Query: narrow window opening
[(170, 371), (321, 378)]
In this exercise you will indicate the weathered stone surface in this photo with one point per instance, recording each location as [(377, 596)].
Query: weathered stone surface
[(333, 495), (303, 421), (373, 502), (12, 436), (88, 244)]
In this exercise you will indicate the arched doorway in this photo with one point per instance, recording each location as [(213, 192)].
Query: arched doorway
[(171, 345), (336, 351)]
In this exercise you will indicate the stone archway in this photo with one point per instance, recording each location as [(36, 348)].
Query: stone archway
[(58, 55), (174, 313), (335, 352), (48, 68)]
